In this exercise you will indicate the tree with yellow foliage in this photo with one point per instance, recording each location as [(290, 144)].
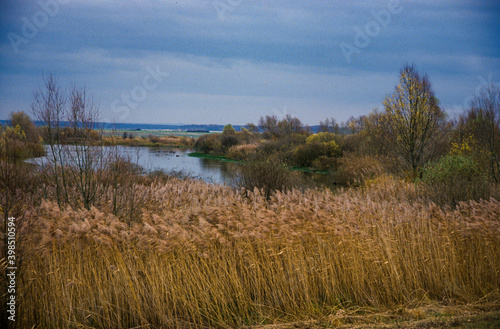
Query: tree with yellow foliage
[(414, 118)]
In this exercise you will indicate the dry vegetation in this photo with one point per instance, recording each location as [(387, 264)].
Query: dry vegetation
[(102, 244), (129, 139), (204, 255)]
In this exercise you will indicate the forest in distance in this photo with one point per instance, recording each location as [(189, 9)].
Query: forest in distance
[(410, 233)]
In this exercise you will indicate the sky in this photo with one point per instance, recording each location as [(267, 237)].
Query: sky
[(233, 61)]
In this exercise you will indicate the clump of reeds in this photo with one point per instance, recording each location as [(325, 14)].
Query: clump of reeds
[(204, 255)]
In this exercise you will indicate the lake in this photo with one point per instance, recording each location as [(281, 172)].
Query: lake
[(175, 159), (168, 159)]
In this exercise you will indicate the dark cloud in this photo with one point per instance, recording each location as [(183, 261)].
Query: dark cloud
[(236, 60)]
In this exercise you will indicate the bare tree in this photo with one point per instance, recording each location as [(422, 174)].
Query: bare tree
[(269, 126), (330, 125), (252, 128), (290, 125), (48, 107), (272, 127), (86, 158), (75, 160)]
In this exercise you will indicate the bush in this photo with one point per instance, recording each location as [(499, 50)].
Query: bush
[(242, 152), (15, 145), (304, 155), (33, 133), (324, 163), (268, 176), (321, 137), (154, 139), (208, 143), (282, 147), (455, 178), (354, 170), (245, 136), (228, 140)]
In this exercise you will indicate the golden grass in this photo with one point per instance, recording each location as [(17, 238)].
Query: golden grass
[(204, 256), (171, 141)]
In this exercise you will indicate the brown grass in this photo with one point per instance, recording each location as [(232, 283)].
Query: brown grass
[(170, 141), (353, 169), (204, 255)]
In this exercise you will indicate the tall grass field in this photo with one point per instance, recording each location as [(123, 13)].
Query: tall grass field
[(206, 256)]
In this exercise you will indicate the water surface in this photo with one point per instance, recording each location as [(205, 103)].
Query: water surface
[(176, 159), (172, 159)]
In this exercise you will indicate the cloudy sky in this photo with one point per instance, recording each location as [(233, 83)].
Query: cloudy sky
[(232, 61)]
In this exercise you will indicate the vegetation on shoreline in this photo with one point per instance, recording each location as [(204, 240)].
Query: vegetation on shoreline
[(128, 139), (102, 244), (21, 140), (412, 138)]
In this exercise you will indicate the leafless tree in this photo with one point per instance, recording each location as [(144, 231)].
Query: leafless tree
[(75, 158), (269, 126), (49, 107), (290, 125), (86, 163), (330, 125)]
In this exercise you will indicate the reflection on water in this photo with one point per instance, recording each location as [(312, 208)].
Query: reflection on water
[(152, 158), (210, 170)]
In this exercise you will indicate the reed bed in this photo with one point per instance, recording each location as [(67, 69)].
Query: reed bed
[(206, 256)]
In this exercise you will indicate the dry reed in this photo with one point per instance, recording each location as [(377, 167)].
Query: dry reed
[(204, 255)]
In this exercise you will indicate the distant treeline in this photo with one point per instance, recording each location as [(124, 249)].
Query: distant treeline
[(145, 126)]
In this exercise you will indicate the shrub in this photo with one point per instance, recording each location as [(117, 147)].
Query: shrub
[(268, 176), (455, 178), (353, 169), (154, 139), (15, 145), (304, 155), (221, 143), (208, 143), (246, 136), (282, 147), (242, 152), (321, 137), (228, 140), (354, 143), (324, 163), (32, 132)]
